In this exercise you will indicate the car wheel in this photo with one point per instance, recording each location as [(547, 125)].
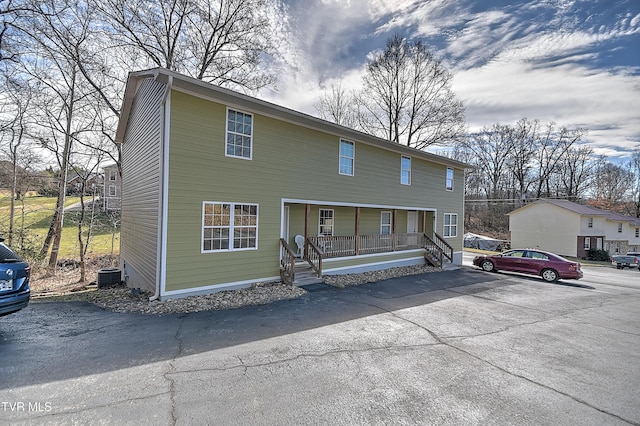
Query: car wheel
[(487, 265), (549, 275)]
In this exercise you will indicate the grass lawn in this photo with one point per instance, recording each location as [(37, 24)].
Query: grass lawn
[(35, 217)]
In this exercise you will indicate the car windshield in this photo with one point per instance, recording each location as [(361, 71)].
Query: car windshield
[(7, 255)]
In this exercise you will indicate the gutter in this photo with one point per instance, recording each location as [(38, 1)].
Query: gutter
[(161, 217)]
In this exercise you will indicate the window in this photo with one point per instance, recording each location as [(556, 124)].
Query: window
[(449, 179), (590, 222), (405, 170), (450, 225), (239, 134), (112, 190), (229, 226), (325, 226), (620, 228), (347, 155), (112, 175), (637, 232), (385, 223), (587, 243)]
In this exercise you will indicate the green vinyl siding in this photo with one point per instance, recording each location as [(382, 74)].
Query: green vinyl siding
[(288, 162)]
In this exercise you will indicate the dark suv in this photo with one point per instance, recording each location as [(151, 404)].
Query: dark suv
[(14, 281)]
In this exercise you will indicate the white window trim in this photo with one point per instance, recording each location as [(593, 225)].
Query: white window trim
[(382, 224), (447, 180), (113, 191), (587, 243), (445, 226), (231, 226), (590, 223), (226, 135), (402, 170), (333, 224), (620, 228), (112, 175), (353, 159)]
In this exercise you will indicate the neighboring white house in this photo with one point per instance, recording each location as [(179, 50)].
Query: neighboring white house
[(112, 188), (572, 229)]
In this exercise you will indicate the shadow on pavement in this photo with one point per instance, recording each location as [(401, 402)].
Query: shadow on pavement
[(56, 341)]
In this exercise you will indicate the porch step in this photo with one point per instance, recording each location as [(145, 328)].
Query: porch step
[(305, 275)]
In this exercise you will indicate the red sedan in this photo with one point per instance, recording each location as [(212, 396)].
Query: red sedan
[(549, 266)]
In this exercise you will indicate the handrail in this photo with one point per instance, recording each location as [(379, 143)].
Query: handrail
[(313, 255), (442, 245), (287, 263)]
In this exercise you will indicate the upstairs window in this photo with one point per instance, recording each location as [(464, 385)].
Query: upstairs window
[(112, 175), (239, 134), (637, 232), (405, 170), (449, 184), (590, 223), (347, 156), (112, 190), (620, 228)]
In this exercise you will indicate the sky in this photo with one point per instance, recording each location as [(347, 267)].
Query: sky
[(572, 62)]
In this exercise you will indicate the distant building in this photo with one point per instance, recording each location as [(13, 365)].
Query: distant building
[(572, 229), (112, 188)]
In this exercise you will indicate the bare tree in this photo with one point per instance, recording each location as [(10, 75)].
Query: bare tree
[(338, 106), (222, 42), (612, 187), (407, 97), (575, 171), (634, 169), (552, 145)]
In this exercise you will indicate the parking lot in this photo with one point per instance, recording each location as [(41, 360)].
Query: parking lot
[(455, 347)]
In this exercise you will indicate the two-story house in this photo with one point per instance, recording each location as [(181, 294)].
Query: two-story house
[(221, 190), (572, 229), (112, 188)]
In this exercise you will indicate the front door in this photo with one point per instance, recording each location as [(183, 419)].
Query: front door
[(412, 222)]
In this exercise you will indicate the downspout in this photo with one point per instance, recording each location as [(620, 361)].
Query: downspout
[(164, 142)]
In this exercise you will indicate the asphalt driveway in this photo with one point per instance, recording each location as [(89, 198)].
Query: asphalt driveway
[(456, 347)]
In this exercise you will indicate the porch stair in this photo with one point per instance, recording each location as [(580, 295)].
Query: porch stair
[(305, 275)]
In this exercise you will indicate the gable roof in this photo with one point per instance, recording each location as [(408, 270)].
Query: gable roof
[(209, 91), (584, 210)]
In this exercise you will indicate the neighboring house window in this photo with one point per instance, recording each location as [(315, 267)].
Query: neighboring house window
[(325, 226), (112, 175), (590, 223), (620, 228), (587, 243), (239, 134), (449, 179), (347, 155), (229, 226), (405, 170), (385, 223), (112, 190), (450, 225)]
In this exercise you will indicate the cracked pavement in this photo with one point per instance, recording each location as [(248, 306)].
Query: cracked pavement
[(456, 347)]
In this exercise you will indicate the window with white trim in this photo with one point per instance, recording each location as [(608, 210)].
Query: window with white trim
[(325, 224), (239, 134), (587, 243), (385, 223), (449, 184), (637, 232), (590, 223), (229, 226), (620, 228), (112, 190), (405, 170), (450, 226), (347, 157), (112, 175)]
